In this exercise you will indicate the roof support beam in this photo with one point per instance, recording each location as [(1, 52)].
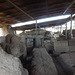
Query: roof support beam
[(19, 9), (69, 6), (10, 19), (3, 24)]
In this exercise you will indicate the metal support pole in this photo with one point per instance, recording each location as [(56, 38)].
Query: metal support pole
[(66, 32), (60, 28), (71, 28), (74, 22), (36, 34), (69, 6)]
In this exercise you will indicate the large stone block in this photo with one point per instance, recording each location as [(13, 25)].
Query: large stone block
[(72, 45), (17, 47), (61, 46), (69, 59), (48, 45), (42, 63), (10, 65), (39, 43), (15, 39), (8, 38), (71, 48), (61, 49), (60, 43), (13, 45), (71, 42), (2, 39)]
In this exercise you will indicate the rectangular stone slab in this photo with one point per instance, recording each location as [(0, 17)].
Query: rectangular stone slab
[(61, 46)]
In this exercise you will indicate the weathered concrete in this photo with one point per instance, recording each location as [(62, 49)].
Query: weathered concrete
[(71, 45), (71, 42), (61, 46), (71, 48), (42, 63), (10, 65), (8, 38), (10, 30), (2, 39), (15, 39), (48, 45), (13, 45), (17, 47), (69, 59)]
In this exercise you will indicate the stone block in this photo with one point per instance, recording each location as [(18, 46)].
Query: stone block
[(69, 59), (42, 63), (71, 42), (71, 48), (61, 46)]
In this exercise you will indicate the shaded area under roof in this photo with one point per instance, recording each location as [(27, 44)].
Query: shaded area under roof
[(35, 8)]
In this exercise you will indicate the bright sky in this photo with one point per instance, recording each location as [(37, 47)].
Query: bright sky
[(41, 20)]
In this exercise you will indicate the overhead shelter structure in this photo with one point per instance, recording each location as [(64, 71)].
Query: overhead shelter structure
[(15, 11)]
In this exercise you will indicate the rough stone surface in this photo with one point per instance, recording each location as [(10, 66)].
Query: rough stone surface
[(10, 65), (69, 59), (23, 38), (2, 39), (17, 47), (39, 43), (48, 45), (61, 46), (15, 39), (28, 42), (71, 48), (8, 38), (13, 45), (10, 30), (42, 63), (3, 45), (71, 45), (71, 42)]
